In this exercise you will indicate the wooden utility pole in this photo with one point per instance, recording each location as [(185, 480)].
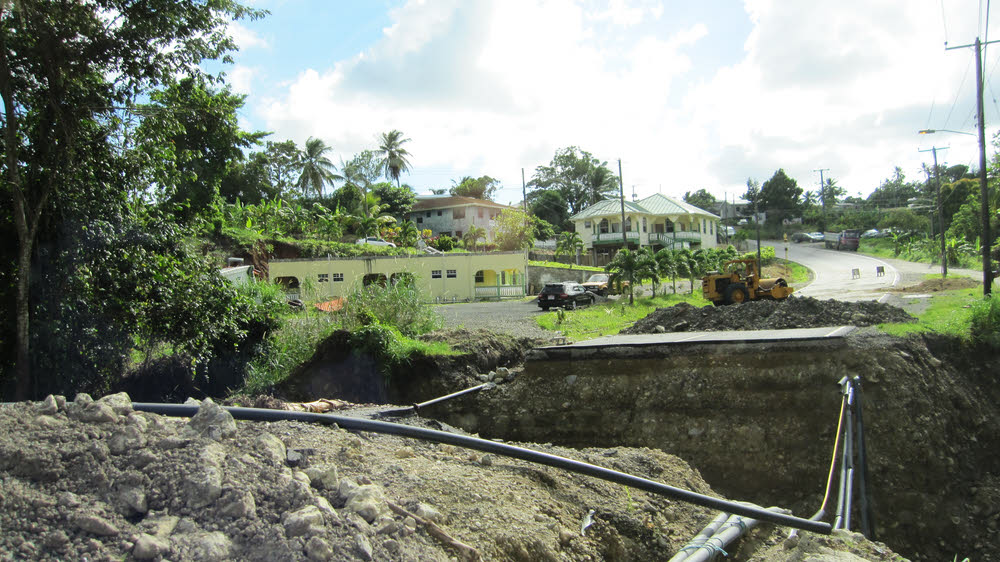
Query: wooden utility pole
[(940, 212), (984, 199), (524, 191), (621, 193)]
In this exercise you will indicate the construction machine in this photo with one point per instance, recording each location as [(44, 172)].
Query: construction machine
[(739, 282)]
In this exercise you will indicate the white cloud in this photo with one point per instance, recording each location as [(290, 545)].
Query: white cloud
[(491, 87), (241, 77), (245, 38)]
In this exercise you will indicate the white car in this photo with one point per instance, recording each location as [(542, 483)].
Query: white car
[(375, 241)]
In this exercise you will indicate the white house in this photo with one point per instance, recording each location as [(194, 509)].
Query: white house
[(657, 221)]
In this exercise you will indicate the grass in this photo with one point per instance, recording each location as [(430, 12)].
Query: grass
[(611, 317), (564, 266), (800, 273), (949, 313)]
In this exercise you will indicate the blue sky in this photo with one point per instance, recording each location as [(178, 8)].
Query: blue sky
[(687, 94)]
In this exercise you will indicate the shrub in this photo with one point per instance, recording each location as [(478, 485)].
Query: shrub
[(444, 243), (400, 305), (984, 328)]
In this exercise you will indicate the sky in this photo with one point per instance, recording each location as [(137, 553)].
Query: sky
[(687, 95)]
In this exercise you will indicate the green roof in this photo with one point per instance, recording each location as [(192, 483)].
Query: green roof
[(656, 204)]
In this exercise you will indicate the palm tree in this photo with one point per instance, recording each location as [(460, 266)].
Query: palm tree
[(317, 170), (394, 156), (569, 243), (667, 265), (649, 268), (600, 182), (473, 235), (624, 267), (687, 265), (408, 234)]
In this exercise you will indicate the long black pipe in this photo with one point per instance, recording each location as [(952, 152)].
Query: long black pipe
[(376, 426), (867, 526)]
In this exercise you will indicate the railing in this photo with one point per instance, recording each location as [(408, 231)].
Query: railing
[(500, 291), (669, 237), (615, 237)]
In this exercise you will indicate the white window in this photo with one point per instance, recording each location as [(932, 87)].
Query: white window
[(338, 277), (452, 274), (324, 277), (435, 274), (586, 224)]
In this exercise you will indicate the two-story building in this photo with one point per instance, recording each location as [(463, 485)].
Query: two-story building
[(454, 215), (657, 221)]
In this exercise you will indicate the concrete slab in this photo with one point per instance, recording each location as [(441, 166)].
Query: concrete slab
[(745, 336)]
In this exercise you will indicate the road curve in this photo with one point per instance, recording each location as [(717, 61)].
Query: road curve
[(840, 275)]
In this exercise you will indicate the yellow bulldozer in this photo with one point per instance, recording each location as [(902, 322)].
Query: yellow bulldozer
[(740, 282)]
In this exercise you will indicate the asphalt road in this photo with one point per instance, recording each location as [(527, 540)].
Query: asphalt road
[(840, 275)]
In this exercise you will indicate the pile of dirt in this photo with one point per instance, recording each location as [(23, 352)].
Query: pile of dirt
[(935, 285), (794, 312), (95, 480)]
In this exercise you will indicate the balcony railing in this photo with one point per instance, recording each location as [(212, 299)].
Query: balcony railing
[(669, 237), (614, 237), (500, 291)]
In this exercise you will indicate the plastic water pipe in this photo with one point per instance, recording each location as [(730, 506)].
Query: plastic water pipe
[(734, 528), (377, 426), (415, 409), (700, 538), (867, 524)]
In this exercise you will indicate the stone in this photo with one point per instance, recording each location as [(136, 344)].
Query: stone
[(134, 497), (271, 447), (658, 329), (120, 403), (95, 525), (237, 504), (55, 540), (137, 420), (48, 406), (67, 499), (203, 486), (212, 421), (148, 547), (305, 521), (318, 549), (364, 547), (487, 460), (49, 422), (503, 372), (405, 453), (93, 412), (206, 546), (429, 512), (126, 439), (368, 501), (329, 513), (392, 546)]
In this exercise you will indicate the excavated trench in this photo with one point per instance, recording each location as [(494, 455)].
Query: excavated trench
[(759, 421)]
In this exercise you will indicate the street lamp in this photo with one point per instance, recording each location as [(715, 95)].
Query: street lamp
[(930, 131)]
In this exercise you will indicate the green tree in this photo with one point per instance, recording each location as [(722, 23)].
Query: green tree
[(701, 199), (394, 156), (193, 129), (408, 234), (513, 230), (483, 187), (649, 268), (281, 160), (779, 197), (569, 243), (317, 170), (688, 266), (578, 176), (830, 194), (361, 171), (549, 205), (68, 76), (893, 192), (397, 200), (667, 263)]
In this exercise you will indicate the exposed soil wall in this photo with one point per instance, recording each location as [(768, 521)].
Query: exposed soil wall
[(759, 422)]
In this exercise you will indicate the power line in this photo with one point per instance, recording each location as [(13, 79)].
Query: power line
[(958, 92)]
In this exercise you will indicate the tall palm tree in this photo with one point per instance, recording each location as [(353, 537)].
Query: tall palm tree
[(649, 268), (317, 170), (394, 156), (624, 267), (667, 265), (601, 182), (408, 234), (569, 243), (689, 265)]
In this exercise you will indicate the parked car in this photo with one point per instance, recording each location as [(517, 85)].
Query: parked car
[(567, 295), (597, 283), (872, 233), (801, 237), (816, 237), (375, 241)]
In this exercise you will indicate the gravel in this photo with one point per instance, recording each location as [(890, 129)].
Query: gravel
[(516, 318)]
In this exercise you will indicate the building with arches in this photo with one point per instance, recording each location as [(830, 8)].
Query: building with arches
[(443, 277)]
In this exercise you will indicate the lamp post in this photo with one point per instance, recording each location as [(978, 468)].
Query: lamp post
[(983, 188)]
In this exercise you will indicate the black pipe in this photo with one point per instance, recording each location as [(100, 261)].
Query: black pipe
[(849, 457), (867, 527), (375, 426)]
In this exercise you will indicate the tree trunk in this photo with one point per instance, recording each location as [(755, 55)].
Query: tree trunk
[(22, 371)]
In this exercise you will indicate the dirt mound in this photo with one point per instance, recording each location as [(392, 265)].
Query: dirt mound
[(97, 481), (935, 285), (794, 312)]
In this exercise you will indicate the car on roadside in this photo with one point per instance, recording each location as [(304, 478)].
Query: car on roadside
[(815, 236), (801, 237), (375, 241), (872, 233), (567, 295)]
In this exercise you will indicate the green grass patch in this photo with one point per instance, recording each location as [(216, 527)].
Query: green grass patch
[(800, 273), (949, 313), (610, 317), (289, 346), (565, 266)]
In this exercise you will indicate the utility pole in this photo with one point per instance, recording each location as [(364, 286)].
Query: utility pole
[(940, 212), (984, 203), (822, 188), (621, 193)]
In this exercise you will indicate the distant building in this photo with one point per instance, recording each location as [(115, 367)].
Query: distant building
[(657, 221), (453, 216)]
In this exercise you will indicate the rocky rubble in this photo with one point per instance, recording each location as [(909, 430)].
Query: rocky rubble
[(794, 312), (96, 480)]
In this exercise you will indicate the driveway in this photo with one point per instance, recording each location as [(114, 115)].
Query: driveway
[(515, 317)]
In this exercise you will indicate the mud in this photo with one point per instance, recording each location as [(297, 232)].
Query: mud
[(935, 285), (793, 312)]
